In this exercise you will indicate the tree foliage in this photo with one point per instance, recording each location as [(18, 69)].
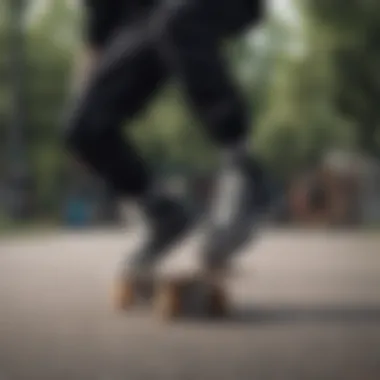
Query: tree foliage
[(352, 30), (302, 102)]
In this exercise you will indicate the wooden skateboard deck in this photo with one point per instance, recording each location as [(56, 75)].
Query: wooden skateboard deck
[(178, 288), (175, 297), (190, 296)]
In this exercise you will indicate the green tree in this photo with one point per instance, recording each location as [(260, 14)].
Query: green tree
[(4, 84), (301, 121), (50, 46), (352, 30)]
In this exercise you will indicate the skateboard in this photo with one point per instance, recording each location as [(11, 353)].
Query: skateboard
[(194, 295), (176, 291), (180, 291), (175, 296)]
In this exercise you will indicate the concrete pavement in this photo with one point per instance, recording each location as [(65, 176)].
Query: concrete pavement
[(307, 306)]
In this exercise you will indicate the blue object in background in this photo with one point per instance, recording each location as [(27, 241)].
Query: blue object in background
[(78, 213)]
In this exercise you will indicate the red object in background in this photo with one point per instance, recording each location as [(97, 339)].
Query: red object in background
[(323, 197)]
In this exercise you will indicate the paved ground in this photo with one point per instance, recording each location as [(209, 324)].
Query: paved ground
[(307, 307)]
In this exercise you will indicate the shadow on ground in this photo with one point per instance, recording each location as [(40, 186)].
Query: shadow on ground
[(266, 315)]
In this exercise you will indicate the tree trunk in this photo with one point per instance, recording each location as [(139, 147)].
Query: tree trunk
[(19, 179)]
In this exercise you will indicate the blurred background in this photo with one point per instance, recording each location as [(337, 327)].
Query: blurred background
[(308, 303), (310, 72)]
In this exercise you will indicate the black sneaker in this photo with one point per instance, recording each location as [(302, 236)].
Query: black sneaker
[(168, 222)]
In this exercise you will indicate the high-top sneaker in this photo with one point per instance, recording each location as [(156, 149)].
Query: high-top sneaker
[(168, 221), (244, 195)]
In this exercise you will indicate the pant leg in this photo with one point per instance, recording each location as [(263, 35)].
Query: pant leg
[(121, 86), (190, 37)]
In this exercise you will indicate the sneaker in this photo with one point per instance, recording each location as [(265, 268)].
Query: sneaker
[(168, 222), (244, 196)]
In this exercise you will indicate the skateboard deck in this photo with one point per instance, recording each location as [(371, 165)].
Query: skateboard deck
[(178, 288), (174, 297)]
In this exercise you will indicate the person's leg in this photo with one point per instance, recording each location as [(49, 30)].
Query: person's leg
[(191, 33), (127, 76), (190, 37)]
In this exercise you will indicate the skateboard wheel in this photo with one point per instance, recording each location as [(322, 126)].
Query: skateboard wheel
[(190, 298), (218, 305), (124, 296), (168, 301)]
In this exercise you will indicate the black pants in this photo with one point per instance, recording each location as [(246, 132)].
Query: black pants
[(180, 39)]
